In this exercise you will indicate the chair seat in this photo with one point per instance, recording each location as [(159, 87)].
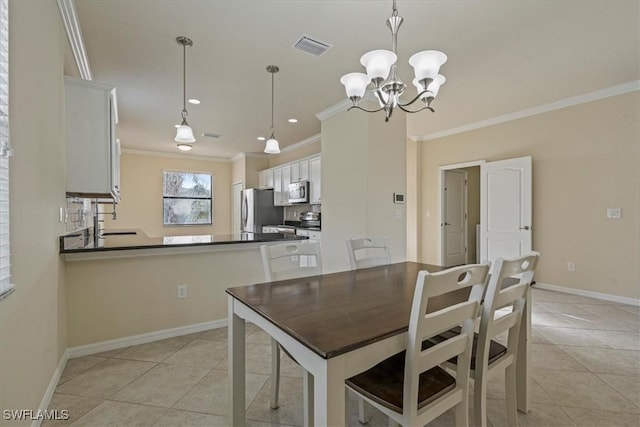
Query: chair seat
[(384, 383), (496, 350)]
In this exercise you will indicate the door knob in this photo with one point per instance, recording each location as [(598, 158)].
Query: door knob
[(446, 223)]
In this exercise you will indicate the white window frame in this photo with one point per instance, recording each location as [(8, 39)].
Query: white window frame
[(210, 199), (6, 287)]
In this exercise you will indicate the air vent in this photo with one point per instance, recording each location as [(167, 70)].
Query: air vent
[(212, 135), (311, 46)]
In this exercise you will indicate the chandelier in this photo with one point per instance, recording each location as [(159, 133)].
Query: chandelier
[(272, 146), (387, 86), (184, 133)]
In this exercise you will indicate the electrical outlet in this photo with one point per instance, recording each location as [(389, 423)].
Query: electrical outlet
[(182, 291), (571, 266)]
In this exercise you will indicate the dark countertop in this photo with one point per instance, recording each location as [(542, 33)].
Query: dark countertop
[(82, 242)]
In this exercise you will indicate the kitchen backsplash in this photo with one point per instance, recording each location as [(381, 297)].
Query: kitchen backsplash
[(292, 213), (78, 214)]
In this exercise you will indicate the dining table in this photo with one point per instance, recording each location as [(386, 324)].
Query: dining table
[(337, 325)]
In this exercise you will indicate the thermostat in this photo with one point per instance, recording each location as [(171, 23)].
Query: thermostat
[(398, 198)]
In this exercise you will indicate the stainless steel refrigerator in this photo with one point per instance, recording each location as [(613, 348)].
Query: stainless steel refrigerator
[(258, 210)]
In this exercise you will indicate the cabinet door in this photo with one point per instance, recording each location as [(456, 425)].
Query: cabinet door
[(315, 181), (286, 180), (265, 179), (278, 199), (269, 178), (304, 170), (315, 235), (295, 172)]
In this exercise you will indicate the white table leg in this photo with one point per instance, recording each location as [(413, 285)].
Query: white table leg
[(236, 327), (329, 394), (523, 371), (308, 399)]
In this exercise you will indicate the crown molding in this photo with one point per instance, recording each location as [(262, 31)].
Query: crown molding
[(175, 155), (334, 109), (558, 105), (74, 34), (312, 139)]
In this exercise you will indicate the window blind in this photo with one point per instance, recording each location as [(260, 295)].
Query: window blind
[(5, 151)]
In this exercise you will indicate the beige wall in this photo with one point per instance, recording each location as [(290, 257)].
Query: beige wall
[(141, 205), (585, 160), (32, 319), (246, 167), (363, 164)]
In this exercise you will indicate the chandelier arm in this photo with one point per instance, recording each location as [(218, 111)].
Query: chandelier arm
[(364, 109), (426, 107), (406, 104)]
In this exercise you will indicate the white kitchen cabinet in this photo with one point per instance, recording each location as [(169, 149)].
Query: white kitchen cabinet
[(92, 150), (278, 195), (315, 182), (286, 180), (300, 171), (295, 172), (304, 170), (265, 179)]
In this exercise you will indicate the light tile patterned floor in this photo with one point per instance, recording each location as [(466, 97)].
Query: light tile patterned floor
[(585, 358)]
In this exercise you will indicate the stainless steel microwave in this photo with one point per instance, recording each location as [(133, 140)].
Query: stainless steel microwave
[(299, 192)]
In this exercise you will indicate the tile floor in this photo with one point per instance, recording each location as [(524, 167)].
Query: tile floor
[(585, 358)]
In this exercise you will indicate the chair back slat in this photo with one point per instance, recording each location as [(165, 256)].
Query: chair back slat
[(423, 326), (368, 252), (497, 298), (290, 260)]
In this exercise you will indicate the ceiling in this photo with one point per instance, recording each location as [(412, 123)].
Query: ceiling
[(504, 56)]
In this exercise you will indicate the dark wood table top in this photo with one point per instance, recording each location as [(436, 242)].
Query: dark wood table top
[(332, 314)]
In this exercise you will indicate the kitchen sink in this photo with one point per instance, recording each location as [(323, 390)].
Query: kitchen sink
[(119, 233)]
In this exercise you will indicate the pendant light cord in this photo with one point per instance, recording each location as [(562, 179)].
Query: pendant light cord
[(184, 81), (272, 101)]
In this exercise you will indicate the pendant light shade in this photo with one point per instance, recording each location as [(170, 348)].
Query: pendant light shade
[(272, 146), (184, 133)]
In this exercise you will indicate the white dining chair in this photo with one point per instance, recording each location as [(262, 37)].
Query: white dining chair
[(368, 252), (287, 261), (502, 311), (410, 387)]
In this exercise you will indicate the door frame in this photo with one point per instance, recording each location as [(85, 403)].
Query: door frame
[(441, 170)]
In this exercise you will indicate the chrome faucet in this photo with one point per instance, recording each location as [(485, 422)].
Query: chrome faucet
[(96, 221)]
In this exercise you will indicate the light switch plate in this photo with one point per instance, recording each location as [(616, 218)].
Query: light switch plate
[(614, 213)]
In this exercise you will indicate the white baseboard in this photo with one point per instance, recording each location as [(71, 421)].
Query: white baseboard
[(589, 294), (85, 350), (98, 347), (46, 399)]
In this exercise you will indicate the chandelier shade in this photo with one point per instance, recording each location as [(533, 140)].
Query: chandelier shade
[(184, 133), (426, 64), (355, 84), (381, 73), (378, 63)]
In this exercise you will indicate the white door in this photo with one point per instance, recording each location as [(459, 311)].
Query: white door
[(236, 202), (454, 217), (505, 208)]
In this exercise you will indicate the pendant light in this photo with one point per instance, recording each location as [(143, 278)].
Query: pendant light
[(184, 133), (272, 146)]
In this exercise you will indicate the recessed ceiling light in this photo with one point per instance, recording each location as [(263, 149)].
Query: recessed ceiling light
[(293, 120), (194, 101), (261, 138), (176, 126)]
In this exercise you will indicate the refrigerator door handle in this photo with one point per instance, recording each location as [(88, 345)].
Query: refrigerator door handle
[(244, 210)]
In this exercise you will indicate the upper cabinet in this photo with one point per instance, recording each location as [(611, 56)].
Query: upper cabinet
[(280, 177), (92, 150), (315, 181), (265, 178)]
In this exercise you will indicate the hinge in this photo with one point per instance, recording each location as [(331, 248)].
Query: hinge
[(465, 249), (465, 216), (465, 182)]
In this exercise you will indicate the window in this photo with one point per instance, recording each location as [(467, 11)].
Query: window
[(5, 151), (187, 198)]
